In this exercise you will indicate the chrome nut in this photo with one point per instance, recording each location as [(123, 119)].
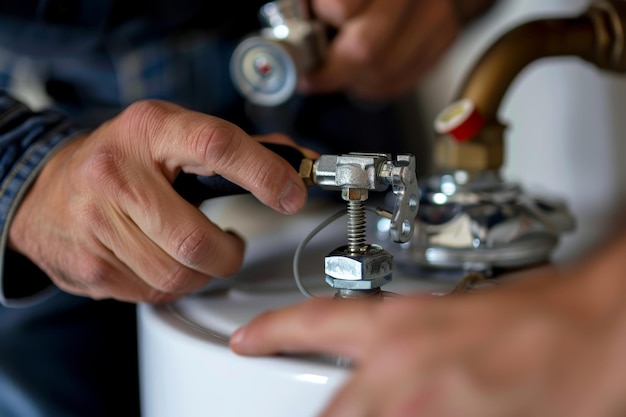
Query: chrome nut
[(367, 269), (342, 284)]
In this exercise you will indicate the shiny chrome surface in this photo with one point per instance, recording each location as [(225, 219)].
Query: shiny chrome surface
[(357, 173), (478, 222)]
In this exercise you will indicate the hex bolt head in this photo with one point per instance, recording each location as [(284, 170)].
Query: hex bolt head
[(369, 269)]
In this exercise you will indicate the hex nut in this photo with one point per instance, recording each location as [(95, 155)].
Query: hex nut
[(342, 284), (367, 270), (306, 172), (354, 194)]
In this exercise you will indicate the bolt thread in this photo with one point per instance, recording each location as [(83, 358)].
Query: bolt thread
[(356, 225)]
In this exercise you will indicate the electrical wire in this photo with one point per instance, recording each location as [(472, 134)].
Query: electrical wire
[(298, 253)]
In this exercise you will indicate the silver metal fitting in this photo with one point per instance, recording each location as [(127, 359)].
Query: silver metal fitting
[(360, 269), (374, 172), (478, 222), (369, 269), (265, 67)]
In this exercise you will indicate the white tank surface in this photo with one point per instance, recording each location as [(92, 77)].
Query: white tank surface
[(187, 368)]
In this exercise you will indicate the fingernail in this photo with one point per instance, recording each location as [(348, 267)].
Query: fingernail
[(237, 337), (292, 198)]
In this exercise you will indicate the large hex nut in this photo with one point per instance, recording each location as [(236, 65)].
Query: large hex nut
[(369, 269)]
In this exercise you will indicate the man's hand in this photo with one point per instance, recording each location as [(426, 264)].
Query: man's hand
[(383, 48), (102, 219)]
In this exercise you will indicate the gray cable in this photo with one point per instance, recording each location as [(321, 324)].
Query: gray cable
[(305, 241)]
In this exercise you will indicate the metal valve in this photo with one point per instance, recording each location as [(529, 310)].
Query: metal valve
[(357, 269), (265, 67), (361, 269)]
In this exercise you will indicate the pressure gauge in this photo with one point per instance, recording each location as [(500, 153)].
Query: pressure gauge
[(264, 71), (265, 67)]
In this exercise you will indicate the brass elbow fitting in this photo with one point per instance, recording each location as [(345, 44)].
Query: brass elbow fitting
[(597, 36)]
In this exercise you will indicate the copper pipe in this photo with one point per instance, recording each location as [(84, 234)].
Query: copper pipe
[(596, 36), (491, 77)]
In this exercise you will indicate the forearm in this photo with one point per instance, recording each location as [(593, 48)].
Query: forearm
[(27, 139)]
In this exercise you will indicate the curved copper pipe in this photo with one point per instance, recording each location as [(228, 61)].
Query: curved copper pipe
[(492, 75), (596, 36)]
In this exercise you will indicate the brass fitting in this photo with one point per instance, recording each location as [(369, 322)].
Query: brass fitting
[(597, 36), (307, 172)]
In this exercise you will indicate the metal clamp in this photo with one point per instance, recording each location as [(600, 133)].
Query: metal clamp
[(376, 172), (360, 269)]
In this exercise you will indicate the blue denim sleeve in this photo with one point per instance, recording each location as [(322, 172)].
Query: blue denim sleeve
[(27, 140)]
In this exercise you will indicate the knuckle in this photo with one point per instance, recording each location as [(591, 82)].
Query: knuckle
[(194, 247), (104, 172), (101, 164), (141, 116), (94, 273), (215, 143)]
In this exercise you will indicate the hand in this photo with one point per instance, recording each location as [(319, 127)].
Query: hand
[(541, 346), (383, 48), (102, 219)]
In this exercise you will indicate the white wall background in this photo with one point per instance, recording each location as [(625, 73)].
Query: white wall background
[(566, 119)]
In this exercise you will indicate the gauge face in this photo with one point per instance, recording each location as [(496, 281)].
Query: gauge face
[(263, 71)]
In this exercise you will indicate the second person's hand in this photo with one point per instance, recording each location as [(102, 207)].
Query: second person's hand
[(383, 48), (547, 345)]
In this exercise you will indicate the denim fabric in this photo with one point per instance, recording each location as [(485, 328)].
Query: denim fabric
[(27, 140)]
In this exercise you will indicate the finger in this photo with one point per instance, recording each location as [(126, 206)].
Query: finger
[(177, 139), (104, 276), (359, 45), (176, 248), (337, 12), (351, 401), (326, 326), (413, 55)]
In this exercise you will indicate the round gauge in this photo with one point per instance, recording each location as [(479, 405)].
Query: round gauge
[(264, 71)]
